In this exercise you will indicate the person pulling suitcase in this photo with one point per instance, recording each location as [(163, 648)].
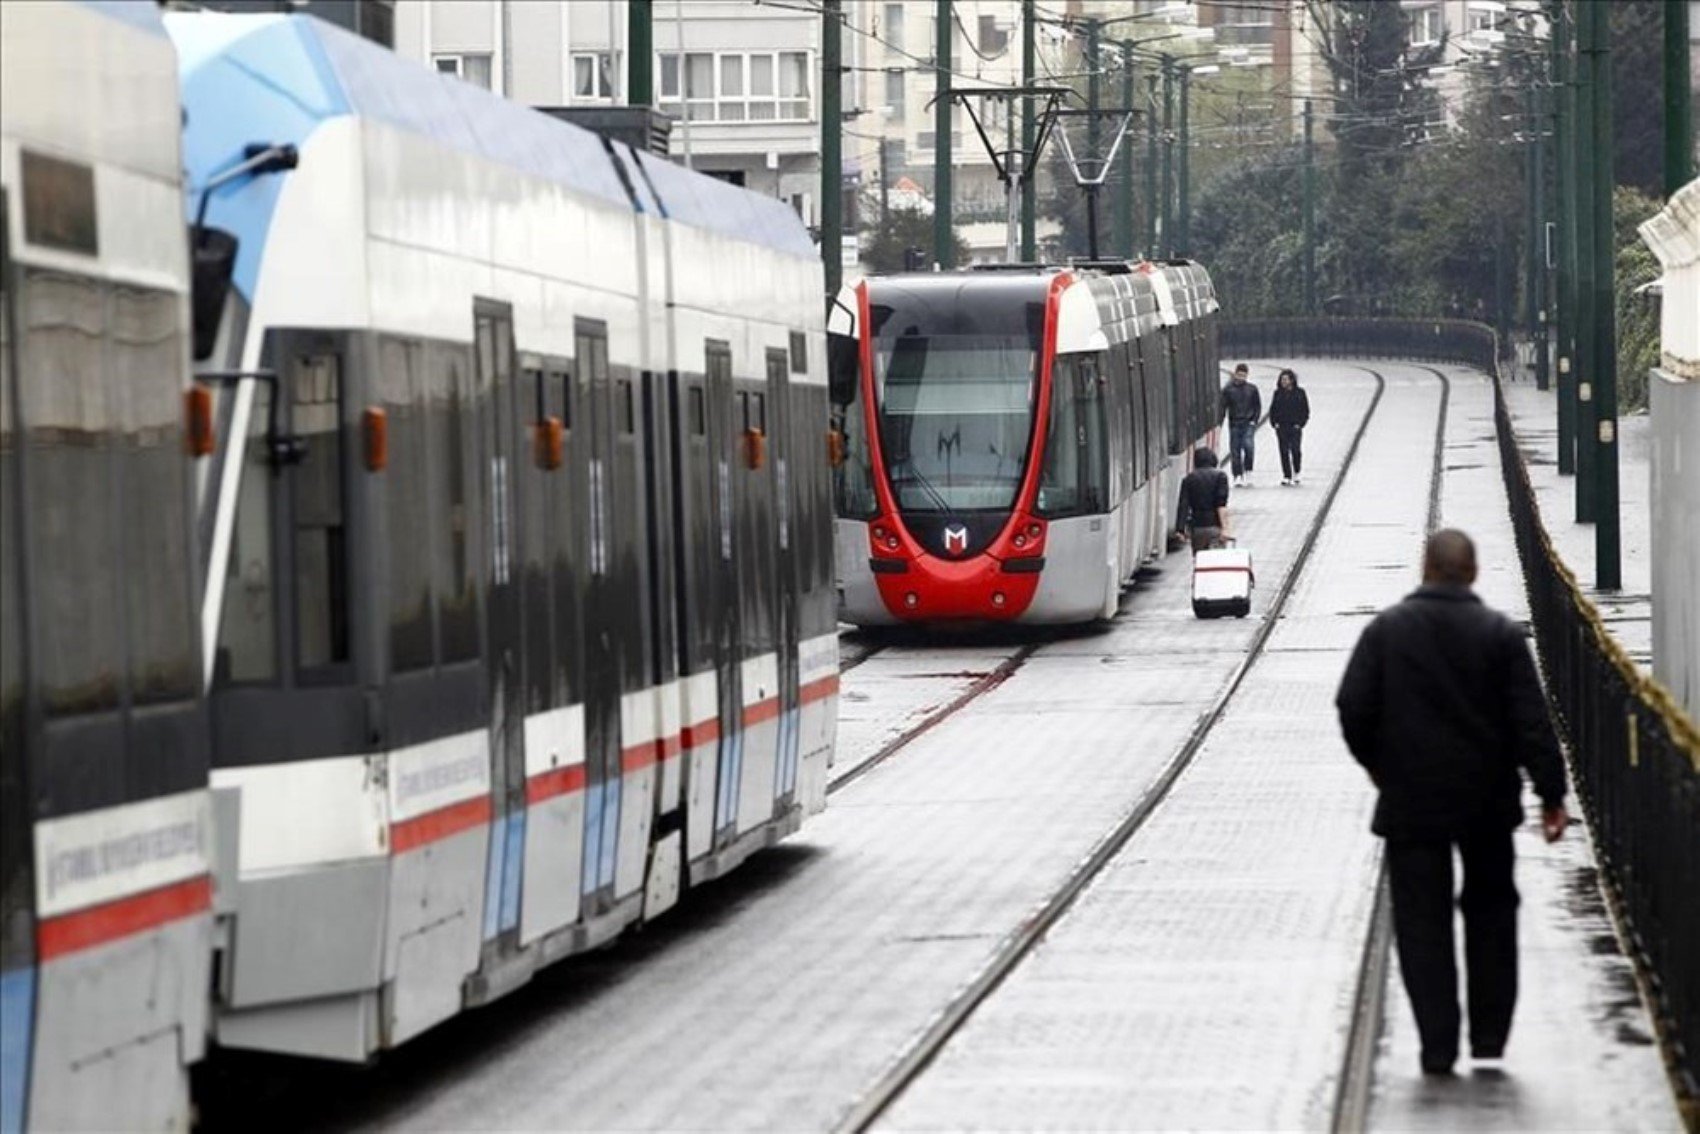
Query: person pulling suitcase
[(1201, 516)]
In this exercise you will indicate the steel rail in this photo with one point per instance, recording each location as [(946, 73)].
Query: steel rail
[(920, 1053)]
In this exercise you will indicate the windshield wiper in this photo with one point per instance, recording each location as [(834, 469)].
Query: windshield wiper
[(916, 476)]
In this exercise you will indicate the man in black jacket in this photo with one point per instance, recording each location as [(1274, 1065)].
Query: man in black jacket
[(1242, 405), (1441, 705)]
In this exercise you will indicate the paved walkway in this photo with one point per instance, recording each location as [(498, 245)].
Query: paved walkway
[(1628, 612)]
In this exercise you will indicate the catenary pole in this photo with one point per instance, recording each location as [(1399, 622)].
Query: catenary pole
[(1608, 565), (1124, 192), (832, 143), (1531, 226), (1587, 313), (1543, 316), (944, 245), (640, 53), (1167, 210), (1029, 203), (1679, 101), (1564, 165), (1183, 207), (1309, 217), (1151, 165)]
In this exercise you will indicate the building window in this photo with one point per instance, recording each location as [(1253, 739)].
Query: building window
[(894, 91), (473, 68), (893, 32), (993, 41), (1426, 27), (1483, 21), (762, 86), (593, 75)]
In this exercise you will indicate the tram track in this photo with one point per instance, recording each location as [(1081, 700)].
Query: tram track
[(914, 1060), (1369, 1003)]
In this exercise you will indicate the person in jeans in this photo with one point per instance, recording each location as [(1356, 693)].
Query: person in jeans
[(1289, 412), (1242, 405), (1202, 513), (1441, 705)]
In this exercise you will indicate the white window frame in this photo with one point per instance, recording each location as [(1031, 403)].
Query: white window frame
[(738, 108), (1427, 36), (459, 58), (601, 67)]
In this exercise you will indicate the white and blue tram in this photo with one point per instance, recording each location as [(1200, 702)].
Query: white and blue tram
[(1011, 440), (475, 596)]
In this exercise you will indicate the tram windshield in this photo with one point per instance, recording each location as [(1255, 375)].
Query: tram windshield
[(956, 413)]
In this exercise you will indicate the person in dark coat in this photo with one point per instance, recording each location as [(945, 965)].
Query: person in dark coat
[(1441, 705), (1242, 405), (1202, 512), (1289, 413)]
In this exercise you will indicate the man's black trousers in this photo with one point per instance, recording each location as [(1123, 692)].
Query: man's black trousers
[(1420, 874)]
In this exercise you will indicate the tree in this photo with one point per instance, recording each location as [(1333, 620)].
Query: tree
[(903, 229)]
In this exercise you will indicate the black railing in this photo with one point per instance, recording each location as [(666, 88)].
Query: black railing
[(1634, 754)]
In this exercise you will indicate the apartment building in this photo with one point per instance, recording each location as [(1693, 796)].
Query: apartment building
[(742, 80)]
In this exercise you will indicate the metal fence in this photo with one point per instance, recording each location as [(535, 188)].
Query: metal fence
[(1634, 754)]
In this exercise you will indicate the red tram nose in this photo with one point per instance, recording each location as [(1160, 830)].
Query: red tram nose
[(932, 572)]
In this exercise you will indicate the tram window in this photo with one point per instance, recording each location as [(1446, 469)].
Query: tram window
[(744, 407), (62, 338), (799, 353), (564, 380), (453, 441), (406, 489), (321, 566), (145, 354), (1073, 478), (247, 635), (699, 412), (628, 412), (758, 412)]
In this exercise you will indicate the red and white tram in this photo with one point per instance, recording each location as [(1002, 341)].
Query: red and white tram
[(1012, 440)]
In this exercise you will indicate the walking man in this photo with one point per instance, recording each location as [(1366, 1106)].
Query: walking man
[(1289, 413), (1441, 705), (1201, 514), (1242, 405)]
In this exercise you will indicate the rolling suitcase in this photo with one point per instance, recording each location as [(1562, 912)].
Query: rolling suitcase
[(1221, 583)]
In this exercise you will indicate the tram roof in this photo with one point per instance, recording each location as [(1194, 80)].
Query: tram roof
[(274, 78)]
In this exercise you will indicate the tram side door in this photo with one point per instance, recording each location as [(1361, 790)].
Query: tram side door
[(728, 638), (505, 622), (601, 622), (786, 636)]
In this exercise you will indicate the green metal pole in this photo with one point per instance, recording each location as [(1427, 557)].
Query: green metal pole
[(1309, 217), (1679, 104), (1537, 252), (1587, 312), (1608, 559), (832, 144), (1151, 166), (944, 243), (1167, 208), (1531, 226), (1029, 203), (640, 51), (1564, 117), (1183, 211), (1124, 192), (1093, 95)]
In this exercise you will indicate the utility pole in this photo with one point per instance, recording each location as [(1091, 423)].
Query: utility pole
[(1608, 566), (831, 143), (1151, 165), (640, 44), (1029, 204), (944, 243), (1587, 312), (1564, 107), (1309, 218), (1124, 194), (885, 191), (1679, 112), (1094, 98), (1168, 197), (1183, 226)]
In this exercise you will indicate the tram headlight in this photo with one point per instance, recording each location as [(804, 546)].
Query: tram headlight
[(997, 598), (1020, 541), (1034, 530), (911, 600)]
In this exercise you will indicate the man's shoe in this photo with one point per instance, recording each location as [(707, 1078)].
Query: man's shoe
[(1435, 1065), (1297, 479), (1286, 481), (1487, 1052)]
